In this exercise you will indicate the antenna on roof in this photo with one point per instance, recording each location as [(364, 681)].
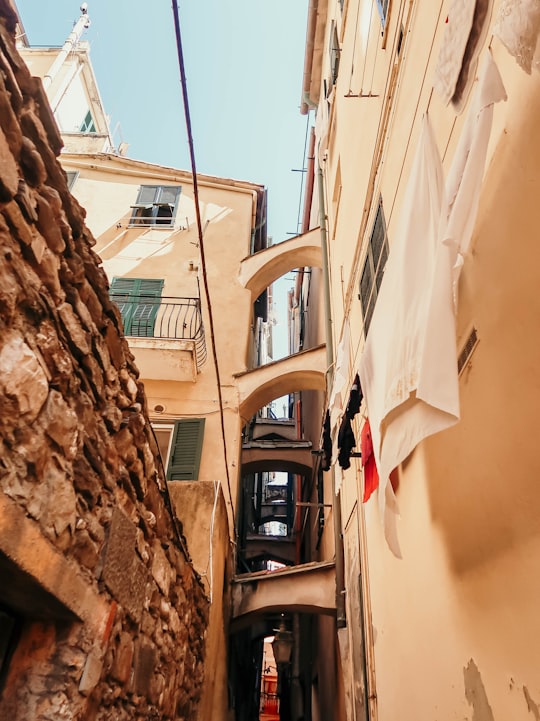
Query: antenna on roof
[(82, 24)]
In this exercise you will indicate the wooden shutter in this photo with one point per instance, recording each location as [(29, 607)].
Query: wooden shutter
[(129, 293), (186, 447), (144, 314), (122, 291)]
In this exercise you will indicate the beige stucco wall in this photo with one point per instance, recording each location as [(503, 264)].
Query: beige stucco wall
[(455, 625), (205, 524), (107, 186)]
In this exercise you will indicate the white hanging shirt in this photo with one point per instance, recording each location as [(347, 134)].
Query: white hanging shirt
[(408, 370), (464, 181)]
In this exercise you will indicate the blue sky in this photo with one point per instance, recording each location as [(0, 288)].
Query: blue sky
[(244, 65)]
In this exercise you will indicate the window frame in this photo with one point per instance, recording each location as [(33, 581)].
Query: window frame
[(335, 54), (137, 315), (146, 213), (163, 427), (374, 263), (71, 176), (88, 124)]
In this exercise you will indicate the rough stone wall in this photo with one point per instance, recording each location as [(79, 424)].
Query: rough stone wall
[(111, 615)]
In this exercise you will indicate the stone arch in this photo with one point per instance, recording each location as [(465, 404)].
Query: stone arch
[(299, 372), (260, 550), (286, 460), (261, 269), (308, 588)]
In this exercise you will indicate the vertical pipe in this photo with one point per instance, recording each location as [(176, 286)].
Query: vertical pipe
[(297, 700), (366, 622), (336, 498), (298, 490), (72, 39)]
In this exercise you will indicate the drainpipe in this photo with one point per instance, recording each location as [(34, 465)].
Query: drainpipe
[(308, 55), (336, 498), (308, 202), (73, 38)]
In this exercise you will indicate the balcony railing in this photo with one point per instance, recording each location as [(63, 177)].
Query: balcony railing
[(165, 318)]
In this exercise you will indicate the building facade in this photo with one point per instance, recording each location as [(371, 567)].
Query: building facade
[(426, 145)]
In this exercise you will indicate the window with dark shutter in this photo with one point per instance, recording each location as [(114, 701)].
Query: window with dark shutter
[(72, 176), (186, 447), (335, 53), (138, 300), (373, 269), (156, 206)]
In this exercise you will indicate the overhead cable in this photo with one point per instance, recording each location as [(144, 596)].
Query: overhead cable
[(201, 243)]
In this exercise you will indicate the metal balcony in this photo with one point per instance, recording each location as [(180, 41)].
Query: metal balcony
[(164, 318)]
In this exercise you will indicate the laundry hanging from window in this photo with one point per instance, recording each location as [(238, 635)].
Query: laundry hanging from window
[(464, 32), (518, 28), (408, 369), (346, 438), (371, 475), (326, 462)]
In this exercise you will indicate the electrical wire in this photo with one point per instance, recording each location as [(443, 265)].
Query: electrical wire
[(183, 82)]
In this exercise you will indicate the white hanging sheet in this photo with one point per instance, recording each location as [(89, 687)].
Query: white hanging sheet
[(408, 370)]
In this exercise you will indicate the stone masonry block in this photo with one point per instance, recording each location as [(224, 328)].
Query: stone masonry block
[(22, 377), (9, 178), (161, 569), (124, 574), (145, 663)]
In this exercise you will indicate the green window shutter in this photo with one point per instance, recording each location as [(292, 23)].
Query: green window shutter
[(129, 294), (122, 291), (374, 265), (186, 447), (144, 313)]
